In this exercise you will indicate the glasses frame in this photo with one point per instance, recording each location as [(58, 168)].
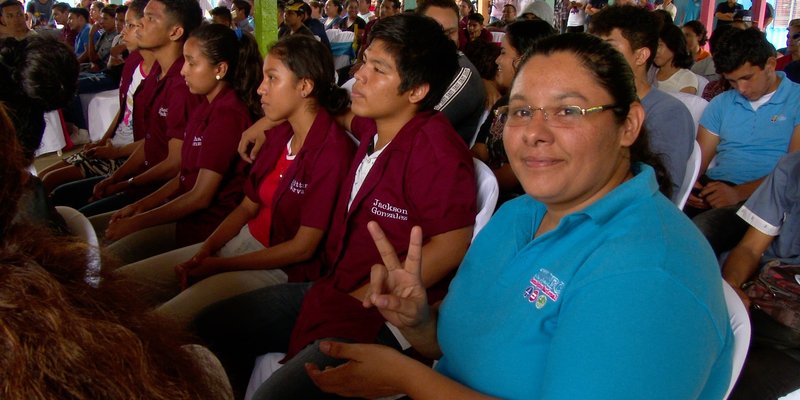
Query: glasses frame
[(502, 112)]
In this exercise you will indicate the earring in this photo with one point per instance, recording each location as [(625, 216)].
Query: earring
[(218, 77)]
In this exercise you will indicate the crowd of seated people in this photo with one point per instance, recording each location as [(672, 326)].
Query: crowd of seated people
[(258, 205)]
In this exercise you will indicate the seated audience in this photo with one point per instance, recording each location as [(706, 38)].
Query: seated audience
[(100, 159), (772, 366), (61, 17), (276, 231), (616, 286), (353, 23), (509, 15), (745, 131), (293, 16), (634, 33), (313, 24), (37, 74), (792, 53), (63, 338), (333, 10), (78, 21), (101, 34), (364, 11), (165, 104), (673, 61), (695, 34), (188, 207), (406, 71), (520, 37), (12, 21)]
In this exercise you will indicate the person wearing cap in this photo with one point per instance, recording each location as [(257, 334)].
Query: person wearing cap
[(538, 10), (293, 16)]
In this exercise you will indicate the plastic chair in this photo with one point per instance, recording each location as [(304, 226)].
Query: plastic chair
[(497, 37), (488, 191), (482, 119), (692, 171), (740, 325), (53, 138), (80, 226), (696, 105), (101, 109)]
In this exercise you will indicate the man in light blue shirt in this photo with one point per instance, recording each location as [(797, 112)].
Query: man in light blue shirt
[(745, 131)]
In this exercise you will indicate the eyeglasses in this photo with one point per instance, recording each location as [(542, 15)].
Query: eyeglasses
[(557, 117)]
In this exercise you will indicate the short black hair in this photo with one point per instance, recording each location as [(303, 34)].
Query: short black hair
[(109, 10), (137, 6), (10, 3), (81, 12), (637, 25), (673, 38), (223, 12), (439, 4), (63, 7), (522, 35), (739, 47), (477, 17), (186, 13), (121, 10), (421, 51), (243, 5)]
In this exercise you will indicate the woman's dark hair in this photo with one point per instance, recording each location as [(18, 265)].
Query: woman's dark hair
[(338, 4), (522, 35), (673, 38), (614, 74), (221, 44), (699, 30), (309, 59), (10, 173), (37, 74)]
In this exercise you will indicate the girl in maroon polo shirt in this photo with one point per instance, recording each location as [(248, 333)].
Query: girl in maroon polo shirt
[(274, 234), (220, 67)]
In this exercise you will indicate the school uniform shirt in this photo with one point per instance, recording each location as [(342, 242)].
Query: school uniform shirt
[(307, 193), (212, 139), (424, 177), (132, 64), (166, 106), (621, 300)]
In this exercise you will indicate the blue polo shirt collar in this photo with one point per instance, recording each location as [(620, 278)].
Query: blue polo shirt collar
[(780, 96)]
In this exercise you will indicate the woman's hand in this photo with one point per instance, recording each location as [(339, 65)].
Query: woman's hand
[(105, 152), (396, 289), (254, 136), (197, 266), (121, 227), (126, 212), (371, 371)]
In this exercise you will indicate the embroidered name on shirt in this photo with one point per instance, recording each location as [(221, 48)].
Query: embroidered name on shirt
[(197, 141), (298, 187), (163, 111), (387, 210), (544, 285)]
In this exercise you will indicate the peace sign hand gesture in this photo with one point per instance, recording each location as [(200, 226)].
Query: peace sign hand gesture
[(396, 288)]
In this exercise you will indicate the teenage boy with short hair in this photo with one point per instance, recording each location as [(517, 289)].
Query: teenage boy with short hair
[(99, 48), (78, 22), (411, 169)]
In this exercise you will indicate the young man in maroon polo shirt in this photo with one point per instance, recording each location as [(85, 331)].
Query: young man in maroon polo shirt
[(165, 107), (411, 169)]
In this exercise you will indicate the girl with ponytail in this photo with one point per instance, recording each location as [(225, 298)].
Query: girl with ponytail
[(274, 235)]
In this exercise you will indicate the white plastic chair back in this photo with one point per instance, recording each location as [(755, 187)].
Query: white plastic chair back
[(80, 226), (702, 81), (478, 129), (740, 325), (696, 105), (53, 137), (488, 191), (102, 108), (341, 46), (692, 171)]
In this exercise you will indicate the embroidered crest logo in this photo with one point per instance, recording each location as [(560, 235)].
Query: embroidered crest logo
[(543, 286)]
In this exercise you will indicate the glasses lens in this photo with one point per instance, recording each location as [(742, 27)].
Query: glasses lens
[(796, 36)]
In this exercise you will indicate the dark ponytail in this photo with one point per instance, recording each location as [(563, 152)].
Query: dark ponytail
[(240, 50), (307, 58)]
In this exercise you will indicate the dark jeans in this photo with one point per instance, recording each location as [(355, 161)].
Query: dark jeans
[(771, 370), (243, 327), (76, 195), (721, 226)]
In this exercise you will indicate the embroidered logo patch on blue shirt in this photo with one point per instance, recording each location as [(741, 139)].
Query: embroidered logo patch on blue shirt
[(544, 285)]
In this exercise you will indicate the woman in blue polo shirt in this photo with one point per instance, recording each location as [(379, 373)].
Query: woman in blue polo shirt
[(592, 286), (275, 232)]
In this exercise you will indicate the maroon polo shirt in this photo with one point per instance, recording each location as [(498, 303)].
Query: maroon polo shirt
[(212, 138), (424, 177), (307, 194), (130, 66), (166, 104)]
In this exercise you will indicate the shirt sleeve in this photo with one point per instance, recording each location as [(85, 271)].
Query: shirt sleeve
[(442, 190), (329, 170), (181, 104), (766, 207), (712, 116), (617, 337), (221, 139)]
